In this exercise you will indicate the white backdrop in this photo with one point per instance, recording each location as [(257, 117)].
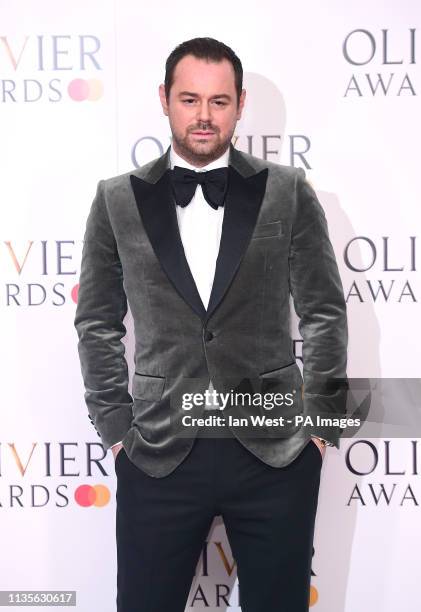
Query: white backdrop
[(332, 87)]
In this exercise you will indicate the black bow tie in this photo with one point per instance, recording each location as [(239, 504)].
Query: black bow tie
[(214, 185)]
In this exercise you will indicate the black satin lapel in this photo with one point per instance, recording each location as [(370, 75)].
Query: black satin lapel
[(242, 205), (159, 217)]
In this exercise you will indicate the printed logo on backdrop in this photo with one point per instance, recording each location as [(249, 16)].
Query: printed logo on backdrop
[(59, 475), (382, 63), (387, 471), (384, 269), (264, 146), (41, 272), (215, 583), (50, 68)]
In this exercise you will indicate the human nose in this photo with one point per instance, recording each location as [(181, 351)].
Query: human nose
[(204, 114)]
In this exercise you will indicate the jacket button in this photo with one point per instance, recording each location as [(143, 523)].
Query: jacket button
[(208, 335)]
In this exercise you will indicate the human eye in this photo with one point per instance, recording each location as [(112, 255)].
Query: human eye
[(220, 103), (188, 100)]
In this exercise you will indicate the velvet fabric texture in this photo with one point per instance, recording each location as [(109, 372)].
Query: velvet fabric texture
[(274, 245)]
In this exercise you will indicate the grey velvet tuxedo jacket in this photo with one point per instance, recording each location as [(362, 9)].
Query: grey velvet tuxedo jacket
[(274, 244)]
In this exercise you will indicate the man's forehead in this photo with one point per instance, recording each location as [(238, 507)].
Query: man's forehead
[(190, 67)]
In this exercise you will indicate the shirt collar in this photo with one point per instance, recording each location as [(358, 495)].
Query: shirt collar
[(221, 162)]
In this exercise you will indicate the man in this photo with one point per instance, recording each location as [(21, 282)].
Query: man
[(206, 244)]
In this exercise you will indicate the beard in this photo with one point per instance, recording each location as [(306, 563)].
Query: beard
[(198, 151)]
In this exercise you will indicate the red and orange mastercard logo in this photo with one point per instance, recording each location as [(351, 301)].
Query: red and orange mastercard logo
[(80, 90), (88, 495)]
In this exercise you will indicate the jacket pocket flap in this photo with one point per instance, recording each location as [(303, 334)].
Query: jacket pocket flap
[(288, 375), (148, 387), (265, 230)]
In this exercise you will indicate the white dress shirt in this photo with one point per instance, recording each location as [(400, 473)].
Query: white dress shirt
[(200, 228)]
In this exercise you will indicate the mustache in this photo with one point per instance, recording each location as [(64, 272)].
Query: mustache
[(204, 128)]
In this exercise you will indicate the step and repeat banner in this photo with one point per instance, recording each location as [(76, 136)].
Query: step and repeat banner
[(332, 88)]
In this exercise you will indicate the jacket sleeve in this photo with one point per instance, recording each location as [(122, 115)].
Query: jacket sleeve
[(101, 308), (319, 302)]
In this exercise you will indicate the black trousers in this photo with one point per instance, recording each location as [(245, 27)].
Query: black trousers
[(268, 513)]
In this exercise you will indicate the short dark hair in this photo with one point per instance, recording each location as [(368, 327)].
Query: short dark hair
[(203, 48)]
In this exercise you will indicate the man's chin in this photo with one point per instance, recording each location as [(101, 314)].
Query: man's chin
[(205, 150), (198, 145)]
